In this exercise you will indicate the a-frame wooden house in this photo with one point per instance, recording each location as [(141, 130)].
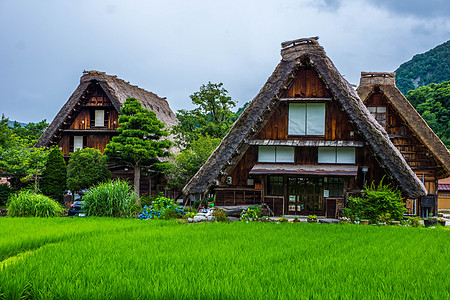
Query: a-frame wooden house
[(90, 118), (422, 149), (303, 144)]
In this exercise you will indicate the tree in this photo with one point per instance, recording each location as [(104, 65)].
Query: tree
[(188, 161), (139, 142), (86, 167), (213, 116), (22, 162), (53, 182), (31, 132)]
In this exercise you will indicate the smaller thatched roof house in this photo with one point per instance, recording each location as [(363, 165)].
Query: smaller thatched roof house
[(305, 128), (90, 117), (422, 149), (116, 90)]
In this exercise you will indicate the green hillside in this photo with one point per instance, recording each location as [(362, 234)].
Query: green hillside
[(432, 66), (432, 102)]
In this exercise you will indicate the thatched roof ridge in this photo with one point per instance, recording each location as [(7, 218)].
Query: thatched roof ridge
[(294, 54), (118, 91), (371, 81)]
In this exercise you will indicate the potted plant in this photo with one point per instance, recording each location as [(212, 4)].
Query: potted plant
[(430, 221), (395, 223), (364, 222), (312, 219), (441, 221), (296, 220)]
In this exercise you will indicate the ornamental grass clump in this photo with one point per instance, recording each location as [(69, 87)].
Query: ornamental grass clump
[(377, 203), (29, 204), (162, 208), (111, 199)]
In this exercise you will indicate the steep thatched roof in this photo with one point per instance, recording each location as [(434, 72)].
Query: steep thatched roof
[(117, 91), (296, 54), (385, 82)]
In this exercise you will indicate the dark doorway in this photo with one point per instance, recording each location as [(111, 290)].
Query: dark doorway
[(305, 196)]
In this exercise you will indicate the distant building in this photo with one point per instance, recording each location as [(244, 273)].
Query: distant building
[(444, 194), (90, 118)]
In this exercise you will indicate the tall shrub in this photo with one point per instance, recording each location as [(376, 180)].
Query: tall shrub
[(110, 199), (53, 182), (87, 167), (28, 204), (5, 191), (377, 201)]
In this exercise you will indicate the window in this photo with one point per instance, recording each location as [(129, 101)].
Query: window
[(336, 186), (277, 154), (99, 118), (306, 119), (77, 142), (336, 155), (275, 185), (379, 113)]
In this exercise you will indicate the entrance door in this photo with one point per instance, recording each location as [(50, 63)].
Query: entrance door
[(305, 196)]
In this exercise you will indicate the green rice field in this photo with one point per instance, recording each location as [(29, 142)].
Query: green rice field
[(102, 258)]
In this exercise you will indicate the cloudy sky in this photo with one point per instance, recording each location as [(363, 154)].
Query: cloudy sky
[(172, 47)]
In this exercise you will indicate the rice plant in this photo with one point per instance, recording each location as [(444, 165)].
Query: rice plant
[(29, 204), (132, 259), (111, 199)]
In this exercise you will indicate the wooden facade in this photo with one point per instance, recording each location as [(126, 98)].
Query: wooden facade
[(303, 145), (420, 147), (311, 192), (90, 118)]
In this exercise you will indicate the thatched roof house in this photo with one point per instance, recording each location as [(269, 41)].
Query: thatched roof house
[(117, 91), (300, 56), (428, 157), (90, 118)]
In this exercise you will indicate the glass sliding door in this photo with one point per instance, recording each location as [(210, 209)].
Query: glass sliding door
[(305, 195)]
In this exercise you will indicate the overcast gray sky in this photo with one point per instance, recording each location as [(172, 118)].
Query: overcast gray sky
[(171, 47)]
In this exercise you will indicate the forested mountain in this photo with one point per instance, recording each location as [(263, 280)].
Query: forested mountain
[(432, 102), (432, 66)]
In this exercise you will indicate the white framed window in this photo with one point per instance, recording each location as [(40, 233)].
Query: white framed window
[(306, 119), (336, 155), (99, 118), (77, 142), (379, 113), (279, 154)]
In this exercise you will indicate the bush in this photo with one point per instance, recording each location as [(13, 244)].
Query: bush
[(53, 182), (376, 202), (29, 204), (252, 213), (162, 208), (111, 199), (414, 221), (87, 167), (5, 191), (148, 199), (220, 214)]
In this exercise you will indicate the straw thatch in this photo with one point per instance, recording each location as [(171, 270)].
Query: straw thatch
[(385, 82), (117, 91), (296, 54)]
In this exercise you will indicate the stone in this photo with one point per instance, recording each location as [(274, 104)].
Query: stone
[(211, 218), (199, 218), (190, 220)]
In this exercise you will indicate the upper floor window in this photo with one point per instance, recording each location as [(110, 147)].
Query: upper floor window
[(379, 113), (336, 155), (279, 154), (99, 118), (77, 143), (306, 119)]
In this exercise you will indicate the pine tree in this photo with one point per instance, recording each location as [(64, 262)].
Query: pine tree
[(53, 182), (139, 142)]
